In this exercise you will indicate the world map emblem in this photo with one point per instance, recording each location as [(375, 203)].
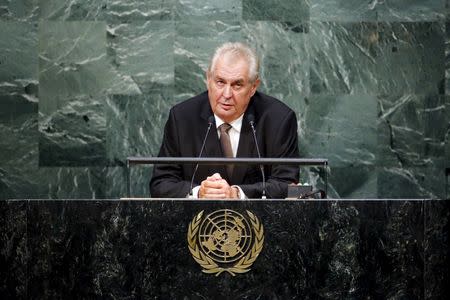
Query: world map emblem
[(225, 241)]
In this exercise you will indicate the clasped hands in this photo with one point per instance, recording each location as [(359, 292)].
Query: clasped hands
[(215, 187)]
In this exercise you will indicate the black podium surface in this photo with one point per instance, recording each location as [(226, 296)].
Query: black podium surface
[(138, 249)]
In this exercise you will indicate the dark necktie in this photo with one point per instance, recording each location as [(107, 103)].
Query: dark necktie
[(226, 145)]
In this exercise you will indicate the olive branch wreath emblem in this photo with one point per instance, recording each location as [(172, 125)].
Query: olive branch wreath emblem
[(209, 265)]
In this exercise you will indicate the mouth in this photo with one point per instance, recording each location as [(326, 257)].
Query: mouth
[(226, 106)]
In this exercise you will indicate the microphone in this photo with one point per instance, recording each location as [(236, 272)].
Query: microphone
[(210, 122), (251, 120)]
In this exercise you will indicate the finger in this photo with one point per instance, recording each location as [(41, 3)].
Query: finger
[(213, 191), (207, 192), (212, 184), (214, 196), (220, 193), (223, 182), (214, 177)]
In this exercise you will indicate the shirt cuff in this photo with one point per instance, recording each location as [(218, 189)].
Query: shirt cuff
[(195, 192), (242, 195)]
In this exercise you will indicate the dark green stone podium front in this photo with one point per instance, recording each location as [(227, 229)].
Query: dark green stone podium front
[(137, 249)]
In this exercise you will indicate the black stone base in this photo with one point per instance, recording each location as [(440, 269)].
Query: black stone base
[(313, 249)]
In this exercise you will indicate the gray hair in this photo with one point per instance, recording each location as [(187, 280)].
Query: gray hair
[(239, 50)]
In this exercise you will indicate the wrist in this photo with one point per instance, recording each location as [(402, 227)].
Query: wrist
[(235, 192)]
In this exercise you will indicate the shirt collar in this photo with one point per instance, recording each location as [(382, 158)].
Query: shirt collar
[(236, 124)]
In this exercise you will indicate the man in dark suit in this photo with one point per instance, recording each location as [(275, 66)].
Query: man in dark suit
[(232, 100)]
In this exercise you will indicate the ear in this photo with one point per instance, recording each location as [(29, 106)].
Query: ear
[(255, 85)]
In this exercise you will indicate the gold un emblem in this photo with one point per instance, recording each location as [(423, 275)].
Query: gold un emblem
[(225, 241)]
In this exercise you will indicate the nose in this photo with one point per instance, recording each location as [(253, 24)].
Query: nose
[(227, 91)]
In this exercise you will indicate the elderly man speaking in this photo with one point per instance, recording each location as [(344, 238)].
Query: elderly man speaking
[(233, 105)]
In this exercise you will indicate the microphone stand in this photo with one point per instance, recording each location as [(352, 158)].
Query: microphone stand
[(261, 167), (210, 122)]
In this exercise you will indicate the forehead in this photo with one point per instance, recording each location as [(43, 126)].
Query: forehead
[(231, 68)]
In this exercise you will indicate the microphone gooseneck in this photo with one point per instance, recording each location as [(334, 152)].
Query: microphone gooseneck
[(251, 120), (210, 123)]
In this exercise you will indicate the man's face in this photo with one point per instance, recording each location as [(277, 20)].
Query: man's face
[(229, 88)]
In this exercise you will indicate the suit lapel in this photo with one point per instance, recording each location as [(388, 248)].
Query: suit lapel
[(246, 148), (212, 144)]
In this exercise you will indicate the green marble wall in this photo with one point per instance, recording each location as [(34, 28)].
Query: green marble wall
[(84, 84)]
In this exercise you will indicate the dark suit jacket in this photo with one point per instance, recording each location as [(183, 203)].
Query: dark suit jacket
[(276, 130)]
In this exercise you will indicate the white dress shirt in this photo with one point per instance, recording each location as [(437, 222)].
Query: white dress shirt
[(235, 134)]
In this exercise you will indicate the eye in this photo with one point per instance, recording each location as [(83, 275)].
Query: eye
[(220, 82), (237, 86)]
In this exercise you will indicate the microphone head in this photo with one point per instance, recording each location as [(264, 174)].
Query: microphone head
[(251, 118), (211, 119)]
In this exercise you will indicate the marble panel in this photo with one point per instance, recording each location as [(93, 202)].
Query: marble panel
[(447, 57), (27, 180), (18, 145), (18, 57), (116, 181), (284, 58), (142, 51), (20, 173), (411, 182), (362, 265), (74, 182), (436, 249), (400, 226), (74, 76), (195, 42), (208, 9), (21, 176), (301, 106), (135, 125), (343, 56), (73, 61), (353, 182), (13, 253), (377, 58), (447, 139), (412, 130), (387, 10), (128, 11), (343, 10), (276, 10), (75, 10), (435, 116), (74, 134), (411, 58), (410, 10), (19, 10), (66, 229), (342, 129)]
